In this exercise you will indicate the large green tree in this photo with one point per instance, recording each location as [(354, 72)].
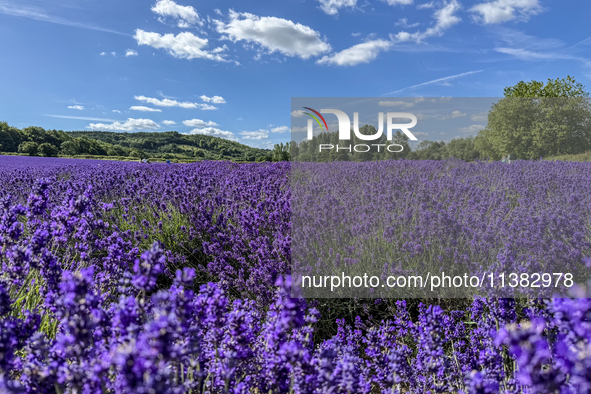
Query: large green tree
[(47, 150), (69, 148), (429, 150), (566, 87), (538, 120), (29, 147), (10, 138), (462, 148), (281, 152)]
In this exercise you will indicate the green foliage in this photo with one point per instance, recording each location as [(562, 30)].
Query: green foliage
[(10, 138), (29, 147), (261, 159), (42, 136), (484, 147), (281, 152), (554, 88), (69, 148), (463, 149), (90, 146), (530, 128), (176, 144), (586, 156), (538, 120), (28, 297), (47, 150), (139, 145), (138, 153), (430, 150)]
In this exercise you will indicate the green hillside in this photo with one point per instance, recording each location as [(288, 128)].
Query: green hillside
[(36, 141)]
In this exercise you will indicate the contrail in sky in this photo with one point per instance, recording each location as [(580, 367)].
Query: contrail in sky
[(435, 81)]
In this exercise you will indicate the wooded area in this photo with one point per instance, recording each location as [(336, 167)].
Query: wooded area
[(36, 141)]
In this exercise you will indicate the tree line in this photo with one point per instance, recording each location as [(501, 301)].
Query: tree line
[(36, 141)]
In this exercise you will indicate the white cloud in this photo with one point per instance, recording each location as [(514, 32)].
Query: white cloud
[(163, 95), (217, 11), (444, 19), (130, 52), (173, 103), (273, 34), (302, 129), (297, 114), (183, 46), (261, 145), (214, 99), (114, 53), (255, 135), (185, 16), (398, 2), (199, 123), (168, 122), (117, 111), (480, 117), (279, 129), (163, 103), (144, 109), (215, 132), (331, 7), (425, 6), (499, 11), (129, 125), (403, 104), (263, 133), (404, 23), (471, 129), (360, 53), (103, 53), (79, 107), (457, 114)]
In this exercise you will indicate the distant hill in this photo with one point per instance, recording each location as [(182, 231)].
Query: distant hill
[(172, 142), (169, 145)]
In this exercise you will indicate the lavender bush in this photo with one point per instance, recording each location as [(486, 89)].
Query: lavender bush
[(130, 278)]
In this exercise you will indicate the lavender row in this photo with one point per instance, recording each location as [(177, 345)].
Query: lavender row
[(230, 222)]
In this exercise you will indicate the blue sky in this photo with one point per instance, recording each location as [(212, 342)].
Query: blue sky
[(230, 68)]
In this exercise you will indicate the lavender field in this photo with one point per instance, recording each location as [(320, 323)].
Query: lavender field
[(411, 217), (168, 278)]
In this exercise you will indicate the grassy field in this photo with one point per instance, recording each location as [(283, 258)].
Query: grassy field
[(580, 157)]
